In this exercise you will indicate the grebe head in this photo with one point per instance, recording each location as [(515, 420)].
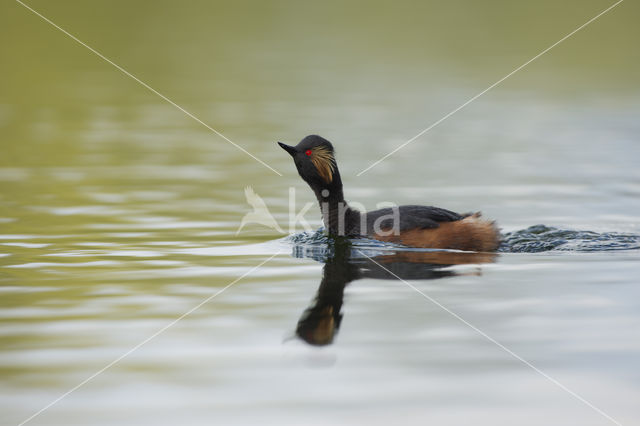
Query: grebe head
[(315, 161)]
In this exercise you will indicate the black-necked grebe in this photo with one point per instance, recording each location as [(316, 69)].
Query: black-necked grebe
[(415, 226)]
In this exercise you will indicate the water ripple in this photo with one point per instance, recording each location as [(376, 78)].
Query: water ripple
[(540, 238), (534, 239)]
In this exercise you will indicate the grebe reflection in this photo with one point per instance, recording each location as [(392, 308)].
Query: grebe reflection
[(344, 263)]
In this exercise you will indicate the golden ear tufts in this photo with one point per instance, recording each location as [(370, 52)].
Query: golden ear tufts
[(322, 159)]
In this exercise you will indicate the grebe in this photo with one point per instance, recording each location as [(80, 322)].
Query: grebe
[(415, 226)]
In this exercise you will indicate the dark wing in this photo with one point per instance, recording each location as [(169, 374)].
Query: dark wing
[(412, 217)]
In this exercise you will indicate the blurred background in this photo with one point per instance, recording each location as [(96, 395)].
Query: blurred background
[(118, 212)]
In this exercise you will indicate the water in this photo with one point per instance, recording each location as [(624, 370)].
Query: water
[(118, 214), (542, 238)]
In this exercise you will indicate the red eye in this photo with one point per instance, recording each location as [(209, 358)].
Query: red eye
[(308, 152)]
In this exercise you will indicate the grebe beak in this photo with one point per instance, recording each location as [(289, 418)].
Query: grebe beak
[(290, 149)]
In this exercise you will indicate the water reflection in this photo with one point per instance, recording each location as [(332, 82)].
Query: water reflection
[(345, 263)]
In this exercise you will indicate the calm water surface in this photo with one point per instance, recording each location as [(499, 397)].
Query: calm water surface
[(118, 214)]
